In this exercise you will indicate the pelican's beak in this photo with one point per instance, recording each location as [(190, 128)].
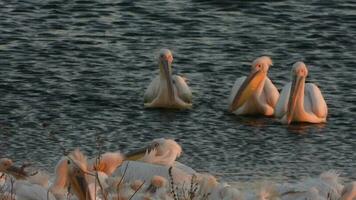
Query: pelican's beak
[(140, 153), (294, 92), (167, 74), (80, 186), (248, 87)]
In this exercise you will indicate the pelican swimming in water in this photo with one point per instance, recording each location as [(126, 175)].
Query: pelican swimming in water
[(300, 101), (167, 90), (256, 93)]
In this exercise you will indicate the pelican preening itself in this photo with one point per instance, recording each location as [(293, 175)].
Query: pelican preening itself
[(256, 93), (300, 101), (167, 90)]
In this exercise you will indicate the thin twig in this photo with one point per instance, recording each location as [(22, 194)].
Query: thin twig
[(172, 184), (137, 190), (122, 178)]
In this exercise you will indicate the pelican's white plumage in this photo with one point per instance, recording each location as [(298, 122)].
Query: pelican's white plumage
[(327, 185), (167, 90), (164, 152), (255, 94), (305, 103), (136, 170), (23, 187)]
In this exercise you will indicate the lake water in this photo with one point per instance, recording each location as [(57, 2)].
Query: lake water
[(73, 74)]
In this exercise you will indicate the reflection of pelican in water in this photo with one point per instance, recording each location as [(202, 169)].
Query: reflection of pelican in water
[(300, 101), (303, 128), (167, 90), (256, 93)]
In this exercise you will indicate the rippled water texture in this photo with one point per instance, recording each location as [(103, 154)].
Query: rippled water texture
[(74, 73)]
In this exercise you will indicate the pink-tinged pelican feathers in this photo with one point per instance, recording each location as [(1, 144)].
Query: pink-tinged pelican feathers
[(300, 101), (255, 94)]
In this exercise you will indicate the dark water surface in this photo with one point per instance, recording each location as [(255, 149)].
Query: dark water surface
[(74, 72)]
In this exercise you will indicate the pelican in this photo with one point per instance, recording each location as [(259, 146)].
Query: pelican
[(23, 187), (144, 163), (167, 90), (326, 186), (256, 94), (300, 101), (349, 191)]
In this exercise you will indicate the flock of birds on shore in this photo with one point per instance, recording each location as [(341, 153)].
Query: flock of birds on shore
[(150, 173), (252, 95)]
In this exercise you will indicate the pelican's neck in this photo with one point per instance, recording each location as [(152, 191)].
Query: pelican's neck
[(59, 187), (61, 182), (166, 93), (299, 107), (161, 71)]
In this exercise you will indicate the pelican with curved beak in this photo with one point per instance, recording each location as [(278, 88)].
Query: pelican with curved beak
[(300, 101), (256, 93), (167, 90)]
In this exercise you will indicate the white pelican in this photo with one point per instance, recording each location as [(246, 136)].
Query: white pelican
[(255, 94), (300, 101), (22, 188), (326, 186), (167, 90)]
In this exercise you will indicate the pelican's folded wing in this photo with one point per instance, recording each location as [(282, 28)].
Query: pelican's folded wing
[(315, 101), (183, 89), (136, 170), (152, 90), (282, 103), (236, 88)]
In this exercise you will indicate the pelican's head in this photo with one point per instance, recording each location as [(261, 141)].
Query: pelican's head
[(349, 191), (165, 55), (299, 69), (108, 162), (7, 167), (259, 69), (166, 145), (261, 64), (299, 73), (159, 151), (5, 164)]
